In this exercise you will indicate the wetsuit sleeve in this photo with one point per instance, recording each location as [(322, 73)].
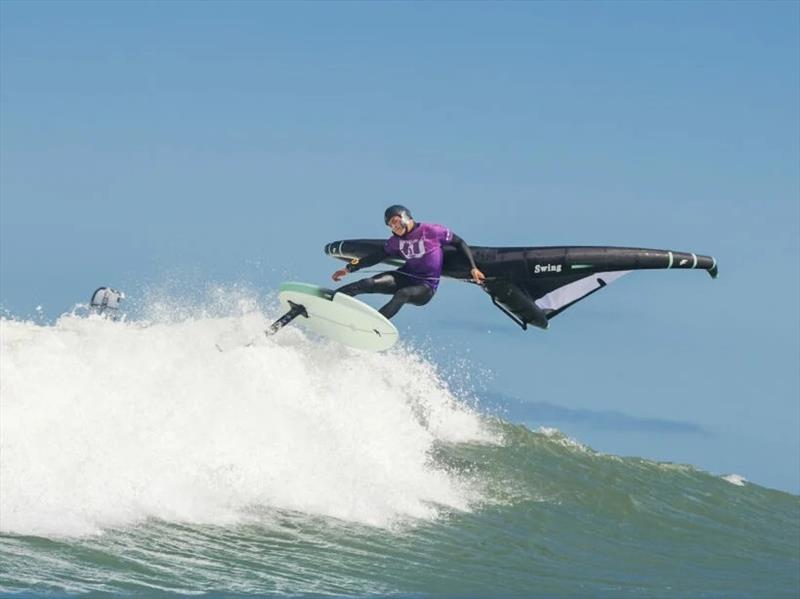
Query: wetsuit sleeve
[(367, 261), (462, 245)]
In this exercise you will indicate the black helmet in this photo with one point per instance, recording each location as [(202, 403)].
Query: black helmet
[(397, 210)]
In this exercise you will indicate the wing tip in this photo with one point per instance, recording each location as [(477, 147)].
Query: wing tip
[(713, 272)]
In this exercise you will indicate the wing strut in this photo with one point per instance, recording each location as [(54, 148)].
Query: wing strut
[(516, 303), (503, 309)]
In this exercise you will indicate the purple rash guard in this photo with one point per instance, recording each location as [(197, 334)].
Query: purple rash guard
[(422, 251)]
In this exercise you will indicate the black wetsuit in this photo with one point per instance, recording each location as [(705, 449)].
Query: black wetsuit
[(405, 288)]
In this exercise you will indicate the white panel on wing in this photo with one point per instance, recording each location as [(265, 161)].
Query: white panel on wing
[(564, 296)]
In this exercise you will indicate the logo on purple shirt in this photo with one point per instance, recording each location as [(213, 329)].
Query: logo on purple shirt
[(422, 251), (414, 248)]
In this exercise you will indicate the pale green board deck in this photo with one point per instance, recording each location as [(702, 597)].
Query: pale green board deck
[(339, 317)]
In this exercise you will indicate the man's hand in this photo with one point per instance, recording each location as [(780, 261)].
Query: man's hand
[(339, 274), (478, 276)]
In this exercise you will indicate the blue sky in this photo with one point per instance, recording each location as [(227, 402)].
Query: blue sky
[(142, 143)]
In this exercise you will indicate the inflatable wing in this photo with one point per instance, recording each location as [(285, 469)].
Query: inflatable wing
[(534, 284)]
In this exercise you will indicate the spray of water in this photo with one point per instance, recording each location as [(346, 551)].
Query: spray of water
[(105, 424)]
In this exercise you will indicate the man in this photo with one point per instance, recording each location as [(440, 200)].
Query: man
[(420, 244)]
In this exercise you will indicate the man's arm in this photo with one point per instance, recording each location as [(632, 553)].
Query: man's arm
[(462, 245), (367, 261), (477, 275)]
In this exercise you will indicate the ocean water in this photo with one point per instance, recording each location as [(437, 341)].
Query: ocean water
[(138, 459)]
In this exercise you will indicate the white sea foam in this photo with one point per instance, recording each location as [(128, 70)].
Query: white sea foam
[(735, 479), (561, 438), (105, 424)]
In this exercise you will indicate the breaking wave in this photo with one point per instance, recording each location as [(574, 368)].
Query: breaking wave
[(109, 423)]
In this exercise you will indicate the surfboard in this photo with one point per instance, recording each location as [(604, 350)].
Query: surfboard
[(336, 316)]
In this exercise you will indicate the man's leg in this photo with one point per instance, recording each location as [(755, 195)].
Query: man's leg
[(419, 295), (384, 282)]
